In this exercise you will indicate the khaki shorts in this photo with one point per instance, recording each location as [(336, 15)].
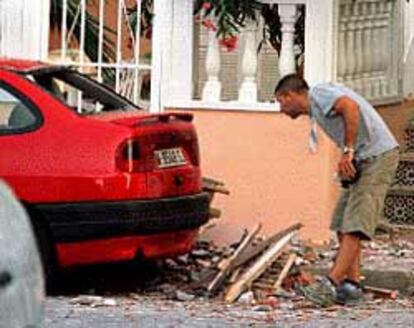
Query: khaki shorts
[(360, 207)]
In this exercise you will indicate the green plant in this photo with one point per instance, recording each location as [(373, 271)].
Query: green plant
[(228, 17)]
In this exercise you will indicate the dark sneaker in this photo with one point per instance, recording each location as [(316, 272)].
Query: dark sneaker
[(322, 292), (349, 293)]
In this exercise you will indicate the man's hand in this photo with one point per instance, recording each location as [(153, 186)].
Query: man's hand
[(346, 170)]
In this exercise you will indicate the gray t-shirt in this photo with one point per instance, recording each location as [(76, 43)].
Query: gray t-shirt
[(373, 138)]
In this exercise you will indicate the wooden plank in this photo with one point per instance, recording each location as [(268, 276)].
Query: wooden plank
[(214, 186), (225, 265), (383, 292), (290, 261), (257, 268), (252, 252)]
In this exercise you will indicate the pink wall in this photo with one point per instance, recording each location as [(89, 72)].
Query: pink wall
[(264, 160)]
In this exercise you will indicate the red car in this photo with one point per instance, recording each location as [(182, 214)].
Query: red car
[(107, 184)]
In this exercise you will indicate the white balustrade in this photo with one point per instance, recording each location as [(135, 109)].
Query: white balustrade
[(367, 40), (353, 41), (248, 89), (212, 88)]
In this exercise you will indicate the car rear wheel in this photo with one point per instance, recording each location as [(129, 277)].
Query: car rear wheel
[(47, 250)]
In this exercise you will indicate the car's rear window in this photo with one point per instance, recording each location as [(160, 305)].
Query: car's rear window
[(81, 93)]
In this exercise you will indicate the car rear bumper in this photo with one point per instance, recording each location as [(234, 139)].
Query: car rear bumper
[(110, 231), (75, 222), (125, 248)]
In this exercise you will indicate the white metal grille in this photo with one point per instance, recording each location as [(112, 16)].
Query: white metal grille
[(99, 39)]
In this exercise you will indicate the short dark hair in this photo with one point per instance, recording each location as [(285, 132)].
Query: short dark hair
[(291, 82)]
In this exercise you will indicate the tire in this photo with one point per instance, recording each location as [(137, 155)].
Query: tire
[(47, 250)]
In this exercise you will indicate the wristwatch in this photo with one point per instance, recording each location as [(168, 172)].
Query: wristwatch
[(347, 150)]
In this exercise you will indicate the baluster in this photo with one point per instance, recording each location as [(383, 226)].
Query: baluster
[(212, 88), (369, 52), (359, 65), (248, 89), (377, 44), (386, 50), (342, 46), (350, 48), (288, 16)]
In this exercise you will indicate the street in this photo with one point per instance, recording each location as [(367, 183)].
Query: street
[(123, 296), (141, 311)]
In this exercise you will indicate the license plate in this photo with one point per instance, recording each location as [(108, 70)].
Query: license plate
[(169, 157)]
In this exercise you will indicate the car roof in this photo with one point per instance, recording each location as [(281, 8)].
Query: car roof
[(24, 66)]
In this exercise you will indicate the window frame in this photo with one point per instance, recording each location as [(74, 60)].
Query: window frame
[(29, 104)]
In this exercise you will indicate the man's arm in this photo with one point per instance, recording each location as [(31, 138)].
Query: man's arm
[(349, 111)]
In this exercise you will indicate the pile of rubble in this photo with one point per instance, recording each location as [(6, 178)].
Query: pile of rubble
[(254, 265), (261, 271)]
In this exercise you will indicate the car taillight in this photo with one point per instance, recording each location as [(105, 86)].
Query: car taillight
[(192, 148), (129, 157)]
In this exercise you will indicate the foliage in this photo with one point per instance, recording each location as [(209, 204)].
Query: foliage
[(147, 15), (228, 17)]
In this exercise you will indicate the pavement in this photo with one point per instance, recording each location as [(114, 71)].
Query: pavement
[(128, 295), (153, 312), (385, 263)]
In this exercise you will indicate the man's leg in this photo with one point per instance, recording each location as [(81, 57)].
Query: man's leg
[(354, 273), (347, 261)]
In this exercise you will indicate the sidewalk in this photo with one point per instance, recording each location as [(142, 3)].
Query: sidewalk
[(385, 263)]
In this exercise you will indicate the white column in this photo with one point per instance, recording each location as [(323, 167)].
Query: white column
[(320, 40), (212, 88), (248, 89), (160, 52), (24, 28), (180, 53), (288, 16), (408, 26)]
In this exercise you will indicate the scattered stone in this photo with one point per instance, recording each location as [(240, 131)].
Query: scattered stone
[(246, 298), (93, 301), (200, 253), (183, 296), (109, 302), (262, 308)]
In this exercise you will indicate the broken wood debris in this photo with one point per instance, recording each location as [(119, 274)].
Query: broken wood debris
[(251, 252), (211, 187), (290, 261), (225, 265), (381, 292), (257, 268)]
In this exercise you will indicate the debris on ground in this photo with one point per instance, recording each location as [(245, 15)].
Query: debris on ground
[(263, 272), (266, 272)]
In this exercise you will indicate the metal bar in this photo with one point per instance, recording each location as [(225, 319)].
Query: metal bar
[(104, 65), (63, 30), (100, 39), (118, 44), (137, 50), (82, 47)]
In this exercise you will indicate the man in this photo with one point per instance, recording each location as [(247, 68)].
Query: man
[(366, 167)]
